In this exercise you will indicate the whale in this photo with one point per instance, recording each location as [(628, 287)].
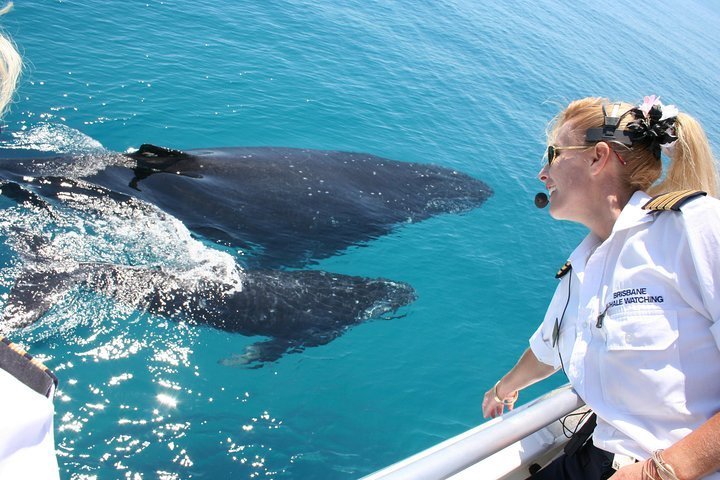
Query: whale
[(282, 207), (294, 310)]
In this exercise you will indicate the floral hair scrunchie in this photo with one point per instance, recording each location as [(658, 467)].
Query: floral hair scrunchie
[(654, 124)]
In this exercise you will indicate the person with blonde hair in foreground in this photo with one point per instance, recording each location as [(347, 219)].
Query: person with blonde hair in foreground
[(635, 320), (27, 447), (10, 67)]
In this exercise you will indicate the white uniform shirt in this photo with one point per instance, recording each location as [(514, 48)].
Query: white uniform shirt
[(651, 368), (27, 447)]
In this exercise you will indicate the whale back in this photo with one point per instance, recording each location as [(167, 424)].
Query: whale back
[(291, 207)]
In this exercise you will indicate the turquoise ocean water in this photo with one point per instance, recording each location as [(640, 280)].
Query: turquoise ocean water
[(467, 85)]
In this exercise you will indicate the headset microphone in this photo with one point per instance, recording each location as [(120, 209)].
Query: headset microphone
[(541, 200)]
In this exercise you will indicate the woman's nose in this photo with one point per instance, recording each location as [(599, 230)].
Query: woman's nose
[(542, 176)]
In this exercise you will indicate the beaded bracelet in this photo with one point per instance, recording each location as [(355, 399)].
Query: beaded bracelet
[(505, 401)]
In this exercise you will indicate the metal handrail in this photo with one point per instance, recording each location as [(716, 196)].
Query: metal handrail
[(458, 453)]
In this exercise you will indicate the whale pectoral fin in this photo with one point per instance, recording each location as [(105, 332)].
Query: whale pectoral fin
[(257, 354)]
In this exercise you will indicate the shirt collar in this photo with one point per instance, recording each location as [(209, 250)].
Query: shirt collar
[(579, 256), (633, 214), (630, 216)]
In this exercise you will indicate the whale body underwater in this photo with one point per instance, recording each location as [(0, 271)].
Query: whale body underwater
[(282, 208)]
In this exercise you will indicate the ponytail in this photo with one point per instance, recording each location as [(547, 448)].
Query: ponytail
[(692, 164)]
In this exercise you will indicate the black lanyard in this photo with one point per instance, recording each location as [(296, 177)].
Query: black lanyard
[(558, 325)]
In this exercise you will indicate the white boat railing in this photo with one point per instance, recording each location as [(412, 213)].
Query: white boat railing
[(514, 439)]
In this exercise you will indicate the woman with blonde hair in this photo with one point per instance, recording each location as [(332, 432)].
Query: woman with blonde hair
[(27, 447), (635, 320), (10, 67)]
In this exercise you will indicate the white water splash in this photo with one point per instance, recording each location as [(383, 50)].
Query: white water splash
[(52, 137)]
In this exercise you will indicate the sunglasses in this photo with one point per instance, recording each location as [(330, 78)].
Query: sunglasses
[(552, 152)]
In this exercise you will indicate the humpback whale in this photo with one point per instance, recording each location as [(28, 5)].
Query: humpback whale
[(283, 208), (295, 309)]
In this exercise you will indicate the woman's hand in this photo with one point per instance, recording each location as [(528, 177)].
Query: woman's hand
[(494, 403), (490, 407), (527, 371)]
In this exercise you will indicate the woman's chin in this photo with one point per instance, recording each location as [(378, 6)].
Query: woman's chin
[(556, 210)]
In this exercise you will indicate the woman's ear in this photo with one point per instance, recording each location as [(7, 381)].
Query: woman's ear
[(601, 156)]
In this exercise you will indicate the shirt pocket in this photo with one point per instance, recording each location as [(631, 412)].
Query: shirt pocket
[(640, 366)]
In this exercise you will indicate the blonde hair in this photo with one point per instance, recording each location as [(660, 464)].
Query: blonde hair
[(10, 67), (692, 164)]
